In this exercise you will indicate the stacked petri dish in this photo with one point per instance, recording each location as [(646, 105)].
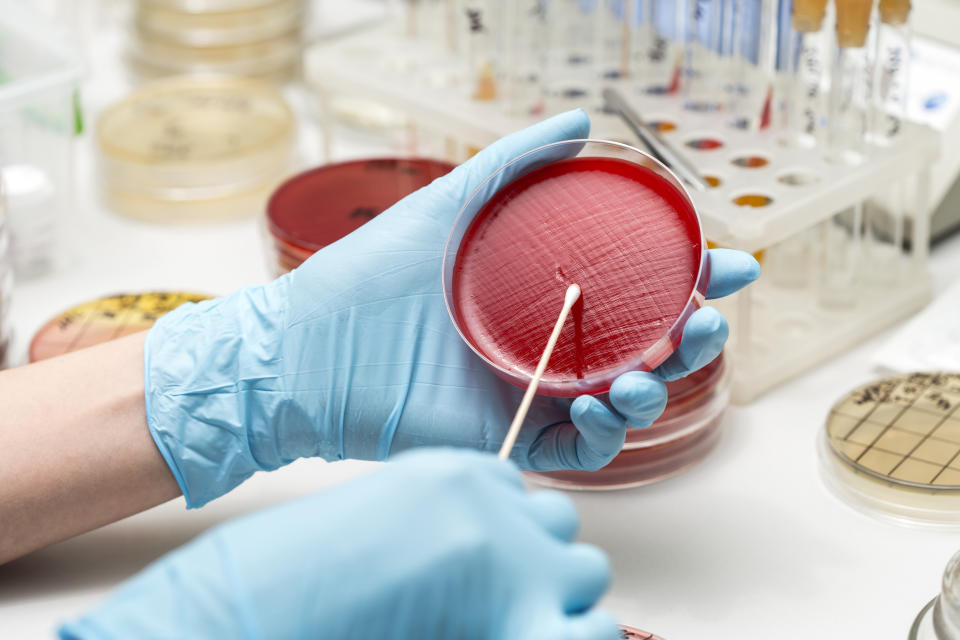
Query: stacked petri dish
[(255, 38), (322, 205), (629, 633), (195, 148), (104, 319), (684, 434), (6, 279)]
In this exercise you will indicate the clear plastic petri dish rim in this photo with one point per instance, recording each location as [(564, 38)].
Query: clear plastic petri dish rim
[(536, 159), (214, 29)]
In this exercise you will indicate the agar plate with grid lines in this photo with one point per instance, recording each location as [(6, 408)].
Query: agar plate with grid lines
[(894, 444), (103, 320)]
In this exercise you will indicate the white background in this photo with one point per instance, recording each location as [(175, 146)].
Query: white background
[(747, 545)]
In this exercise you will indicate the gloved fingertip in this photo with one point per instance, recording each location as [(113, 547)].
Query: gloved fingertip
[(595, 624), (590, 415), (590, 576), (639, 396), (730, 271)]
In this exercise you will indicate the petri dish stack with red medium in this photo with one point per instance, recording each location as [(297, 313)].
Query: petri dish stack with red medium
[(600, 214), (322, 205)]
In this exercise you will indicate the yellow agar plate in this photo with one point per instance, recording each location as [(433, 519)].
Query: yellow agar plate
[(103, 320)]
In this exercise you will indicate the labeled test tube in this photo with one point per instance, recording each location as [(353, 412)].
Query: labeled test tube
[(656, 53), (884, 214), (571, 51), (752, 49), (808, 65), (849, 99), (703, 79), (525, 36), (850, 82)]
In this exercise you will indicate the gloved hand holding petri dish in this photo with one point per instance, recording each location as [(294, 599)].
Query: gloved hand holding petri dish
[(599, 214)]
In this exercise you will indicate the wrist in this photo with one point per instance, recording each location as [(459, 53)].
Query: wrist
[(213, 382)]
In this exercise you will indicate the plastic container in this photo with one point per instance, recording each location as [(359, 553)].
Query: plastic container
[(891, 448), (104, 319), (601, 214), (39, 76), (683, 435), (322, 205), (195, 148), (940, 618)]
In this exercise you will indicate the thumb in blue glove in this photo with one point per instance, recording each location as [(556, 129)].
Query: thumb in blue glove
[(437, 545), (353, 355)]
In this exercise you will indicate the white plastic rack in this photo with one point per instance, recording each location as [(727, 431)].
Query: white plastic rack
[(419, 98)]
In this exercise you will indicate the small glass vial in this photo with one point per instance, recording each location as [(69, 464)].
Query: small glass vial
[(940, 619)]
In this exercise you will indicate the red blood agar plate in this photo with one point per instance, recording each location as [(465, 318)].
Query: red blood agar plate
[(684, 434), (322, 205), (597, 213)]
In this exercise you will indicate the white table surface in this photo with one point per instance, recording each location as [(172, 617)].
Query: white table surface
[(747, 545)]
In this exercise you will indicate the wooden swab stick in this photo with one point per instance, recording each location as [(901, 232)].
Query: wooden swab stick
[(570, 299)]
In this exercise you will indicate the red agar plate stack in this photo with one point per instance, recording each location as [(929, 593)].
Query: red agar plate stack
[(599, 214), (320, 206)]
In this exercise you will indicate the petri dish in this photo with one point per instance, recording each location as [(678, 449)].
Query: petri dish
[(195, 148), (322, 205), (684, 434), (629, 633), (892, 448), (598, 213), (104, 319), (206, 6), (275, 59), (940, 618), (244, 25)]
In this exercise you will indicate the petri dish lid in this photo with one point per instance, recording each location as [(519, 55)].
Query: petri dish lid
[(893, 446), (598, 213), (195, 138), (275, 58), (244, 26), (208, 6), (104, 319), (322, 205)]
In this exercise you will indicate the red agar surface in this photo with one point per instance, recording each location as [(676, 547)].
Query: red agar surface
[(320, 206), (627, 236)]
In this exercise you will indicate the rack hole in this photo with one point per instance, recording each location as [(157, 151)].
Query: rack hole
[(750, 162), (798, 178), (705, 143), (752, 200)]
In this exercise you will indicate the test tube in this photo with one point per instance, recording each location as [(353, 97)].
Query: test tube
[(702, 77), (850, 82), (656, 57), (571, 70), (611, 30), (524, 56), (808, 64), (884, 215), (753, 49), (482, 28)]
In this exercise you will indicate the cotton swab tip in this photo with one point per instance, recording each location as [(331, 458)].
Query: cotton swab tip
[(573, 294)]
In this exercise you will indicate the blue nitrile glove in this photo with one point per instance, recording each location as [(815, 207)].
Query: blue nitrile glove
[(441, 544), (353, 355)]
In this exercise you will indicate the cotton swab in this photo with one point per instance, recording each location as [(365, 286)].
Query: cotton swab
[(569, 299)]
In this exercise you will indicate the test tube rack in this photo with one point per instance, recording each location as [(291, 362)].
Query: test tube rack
[(776, 332)]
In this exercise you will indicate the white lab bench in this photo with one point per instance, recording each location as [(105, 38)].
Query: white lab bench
[(747, 545)]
